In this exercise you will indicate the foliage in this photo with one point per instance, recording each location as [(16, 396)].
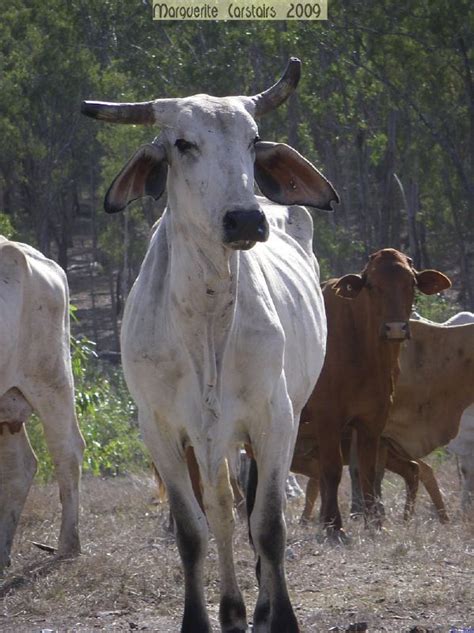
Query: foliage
[(385, 108), (6, 226), (106, 415), (434, 307)]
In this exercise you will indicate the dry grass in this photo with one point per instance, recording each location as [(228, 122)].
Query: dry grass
[(129, 577)]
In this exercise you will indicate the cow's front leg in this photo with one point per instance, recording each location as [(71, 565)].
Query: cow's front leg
[(331, 472), (218, 503), (266, 504), (367, 452), (17, 470), (190, 522), (66, 446)]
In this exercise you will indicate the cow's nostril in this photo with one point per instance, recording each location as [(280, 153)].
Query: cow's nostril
[(230, 223)]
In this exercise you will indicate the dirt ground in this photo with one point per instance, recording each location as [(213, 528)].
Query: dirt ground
[(129, 576)]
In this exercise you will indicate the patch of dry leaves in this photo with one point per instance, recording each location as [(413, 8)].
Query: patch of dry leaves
[(129, 577)]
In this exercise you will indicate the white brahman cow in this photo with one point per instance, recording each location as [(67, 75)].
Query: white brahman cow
[(223, 335), (463, 444), (463, 447), (35, 374)]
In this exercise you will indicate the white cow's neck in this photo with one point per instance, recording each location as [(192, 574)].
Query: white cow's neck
[(203, 282)]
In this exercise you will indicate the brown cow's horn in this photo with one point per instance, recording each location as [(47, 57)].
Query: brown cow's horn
[(277, 94), (141, 113)]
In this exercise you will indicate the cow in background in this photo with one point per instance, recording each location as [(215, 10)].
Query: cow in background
[(359, 374), (463, 447), (35, 374), (436, 385)]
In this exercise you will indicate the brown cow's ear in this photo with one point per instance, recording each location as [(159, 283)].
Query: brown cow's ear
[(143, 175), (431, 281), (349, 286), (286, 177)]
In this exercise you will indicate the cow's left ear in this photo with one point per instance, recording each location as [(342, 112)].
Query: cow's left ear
[(431, 281), (349, 286), (143, 175), (286, 177)]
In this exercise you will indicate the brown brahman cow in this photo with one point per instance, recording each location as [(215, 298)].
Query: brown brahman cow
[(358, 378), (429, 406)]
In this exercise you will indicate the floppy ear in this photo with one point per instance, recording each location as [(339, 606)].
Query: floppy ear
[(286, 177), (143, 175), (349, 286), (431, 281)]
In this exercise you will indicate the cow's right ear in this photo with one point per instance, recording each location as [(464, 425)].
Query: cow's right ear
[(143, 175), (349, 286)]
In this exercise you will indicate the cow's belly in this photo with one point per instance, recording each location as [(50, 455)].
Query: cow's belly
[(250, 393), (293, 287)]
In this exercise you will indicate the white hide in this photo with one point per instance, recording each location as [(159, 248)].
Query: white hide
[(461, 318), (222, 346), (35, 373), (463, 444), (463, 447)]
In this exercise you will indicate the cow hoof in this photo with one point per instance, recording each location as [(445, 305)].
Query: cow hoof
[(305, 521), (356, 515), (4, 564), (378, 532), (338, 537), (334, 537)]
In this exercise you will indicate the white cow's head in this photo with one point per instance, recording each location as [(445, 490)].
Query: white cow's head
[(208, 154)]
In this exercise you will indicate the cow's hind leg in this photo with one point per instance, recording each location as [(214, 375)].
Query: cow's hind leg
[(312, 492), (273, 612), (310, 467), (429, 481), (408, 469), (17, 470), (218, 502), (66, 446)]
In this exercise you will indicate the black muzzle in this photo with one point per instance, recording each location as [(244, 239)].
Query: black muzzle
[(242, 229)]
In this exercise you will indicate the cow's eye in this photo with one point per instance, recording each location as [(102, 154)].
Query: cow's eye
[(256, 140), (184, 146)]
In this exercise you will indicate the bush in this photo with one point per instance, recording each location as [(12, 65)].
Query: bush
[(6, 226), (107, 417), (436, 307)]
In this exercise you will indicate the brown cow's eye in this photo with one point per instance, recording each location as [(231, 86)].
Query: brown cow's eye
[(184, 146)]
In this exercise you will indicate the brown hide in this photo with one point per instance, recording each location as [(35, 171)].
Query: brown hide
[(195, 477), (436, 384), (359, 374)]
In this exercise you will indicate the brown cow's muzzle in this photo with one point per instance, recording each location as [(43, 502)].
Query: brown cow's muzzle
[(395, 331)]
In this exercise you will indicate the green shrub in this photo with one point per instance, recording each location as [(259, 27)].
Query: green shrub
[(107, 417), (436, 308), (6, 226)]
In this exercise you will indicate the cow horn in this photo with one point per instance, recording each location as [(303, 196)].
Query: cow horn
[(278, 93), (141, 113)]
